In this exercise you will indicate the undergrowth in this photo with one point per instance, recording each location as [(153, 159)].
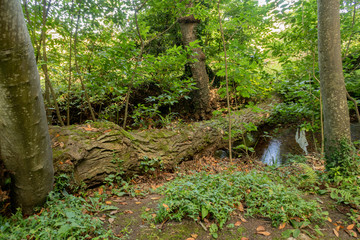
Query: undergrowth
[(215, 196), (63, 216)]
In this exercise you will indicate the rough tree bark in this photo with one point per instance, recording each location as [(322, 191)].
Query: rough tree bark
[(201, 98), (24, 139), (91, 152), (336, 113)]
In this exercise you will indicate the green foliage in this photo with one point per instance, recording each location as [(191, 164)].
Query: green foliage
[(62, 182), (264, 54), (346, 191), (343, 161), (149, 165), (294, 232), (62, 218), (214, 197), (306, 177), (247, 140), (300, 102)]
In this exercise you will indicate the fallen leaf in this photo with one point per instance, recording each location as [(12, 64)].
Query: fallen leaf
[(153, 215), (128, 212), (238, 223), (351, 233), (336, 232), (190, 238), (243, 219), (282, 225), (338, 228), (101, 191), (108, 202), (114, 212), (147, 209), (102, 219), (138, 203), (166, 207), (264, 233), (329, 219), (240, 207), (260, 229), (194, 235), (244, 238), (155, 198), (109, 130), (111, 220), (350, 227)]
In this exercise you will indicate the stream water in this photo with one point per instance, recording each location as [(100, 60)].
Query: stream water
[(284, 143), (271, 154)]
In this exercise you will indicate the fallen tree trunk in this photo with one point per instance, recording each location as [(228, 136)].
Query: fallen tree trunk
[(93, 151)]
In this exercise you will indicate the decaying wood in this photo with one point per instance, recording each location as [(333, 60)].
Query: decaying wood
[(92, 152)]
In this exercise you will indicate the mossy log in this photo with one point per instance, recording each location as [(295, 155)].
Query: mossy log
[(91, 152)]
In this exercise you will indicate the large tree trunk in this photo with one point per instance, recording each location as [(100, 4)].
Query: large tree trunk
[(201, 97), (24, 139), (91, 152), (336, 113)]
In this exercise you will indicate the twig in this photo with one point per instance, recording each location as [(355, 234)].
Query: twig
[(203, 226), (227, 81), (162, 224), (352, 33), (321, 111)]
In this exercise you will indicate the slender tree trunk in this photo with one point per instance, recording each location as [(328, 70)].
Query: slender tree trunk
[(45, 9), (227, 82), (336, 112), (201, 97), (127, 99), (70, 59), (48, 88), (24, 139), (78, 71), (48, 83)]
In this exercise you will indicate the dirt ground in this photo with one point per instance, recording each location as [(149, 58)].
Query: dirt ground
[(133, 219)]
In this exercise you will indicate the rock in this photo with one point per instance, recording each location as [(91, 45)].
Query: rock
[(303, 236), (221, 154)]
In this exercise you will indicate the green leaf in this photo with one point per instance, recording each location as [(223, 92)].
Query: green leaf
[(318, 231), (64, 229), (296, 233), (287, 233), (204, 212)]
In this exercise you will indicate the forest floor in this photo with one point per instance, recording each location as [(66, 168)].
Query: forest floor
[(134, 217)]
